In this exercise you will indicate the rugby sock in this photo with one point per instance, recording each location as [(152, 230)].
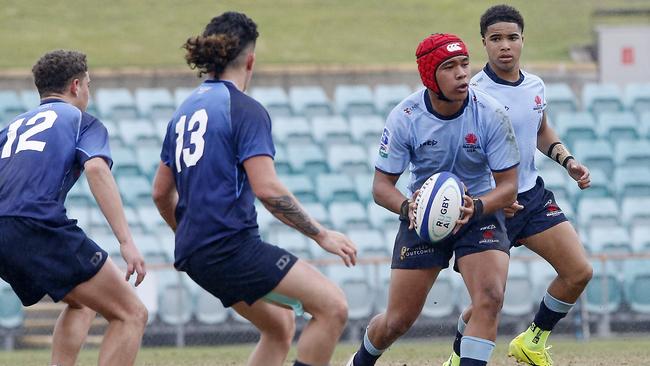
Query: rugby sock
[(475, 351), (298, 363), (459, 334), (551, 311), (367, 354)]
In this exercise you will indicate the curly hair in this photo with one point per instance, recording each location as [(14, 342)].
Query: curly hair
[(222, 41), (501, 13), (54, 71)]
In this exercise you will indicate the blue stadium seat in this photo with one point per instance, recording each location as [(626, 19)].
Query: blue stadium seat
[(618, 126), (387, 96), (636, 276), (560, 98), (292, 130), (208, 308), (274, 99), (369, 242), (281, 160), (543, 162), (135, 190), (357, 288), (354, 100), (597, 154), (80, 193), (30, 98), (598, 98), (557, 182), (114, 134), (601, 186), (318, 211), (541, 275), (80, 212), (348, 159), (635, 211), (637, 97), (633, 153), (125, 162), (517, 300), (366, 130), (640, 238), (348, 215), (604, 293), (644, 125), (609, 239), (175, 305), (116, 103), (328, 130), (309, 101), (308, 159), (442, 298), (301, 186), (151, 219), (11, 309), (180, 94), (597, 212), (10, 105), (632, 181), (363, 183), (567, 209), (576, 126), (293, 241), (148, 159), (137, 132), (154, 103), (380, 217)]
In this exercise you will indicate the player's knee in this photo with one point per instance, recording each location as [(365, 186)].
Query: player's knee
[(139, 315), (582, 276), (489, 301), (398, 325), (282, 331), (337, 311)]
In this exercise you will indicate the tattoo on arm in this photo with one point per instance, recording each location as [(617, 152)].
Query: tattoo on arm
[(287, 209)]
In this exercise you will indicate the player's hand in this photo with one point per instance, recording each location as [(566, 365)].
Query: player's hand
[(412, 207), (512, 210), (339, 244), (134, 261), (466, 212), (579, 173)]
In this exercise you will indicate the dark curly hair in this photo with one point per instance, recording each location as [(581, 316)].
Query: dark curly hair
[(501, 13), (222, 41), (54, 71)]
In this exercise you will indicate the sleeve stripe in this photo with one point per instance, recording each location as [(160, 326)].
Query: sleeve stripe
[(388, 173), (503, 170)]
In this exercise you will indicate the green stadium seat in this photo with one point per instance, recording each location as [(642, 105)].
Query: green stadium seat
[(348, 159), (301, 187), (636, 274), (517, 300), (601, 186), (348, 215), (293, 241), (354, 100), (307, 159), (597, 212), (80, 193), (609, 239), (309, 101), (596, 154), (598, 98), (274, 99), (137, 132), (125, 162), (359, 292), (560, 99), (576, 126), (618, 126), (632, 181), (10, 105), (116, 103), (151, 219), (154, 103), (11, 309), (640, 238), (387, 96), (633, 153), (318, 211), (557, 182), (363, 183), (281, 160), (381, 218), (114, 134), (369, 242), (604, 293), (292, 130), (644, 125), (180, 94), (635, 211), (331, 130), (148, 159), (442, 298), (335, 187), (637, 97), (366, 130), (135, 189)]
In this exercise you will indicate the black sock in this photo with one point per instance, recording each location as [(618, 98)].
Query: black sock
[(472, 362), (298, 363), (459, 337), (364, 358), (546, 318)]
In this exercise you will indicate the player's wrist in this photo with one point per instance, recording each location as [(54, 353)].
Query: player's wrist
[(404, 210), (558, 152), (478, 207)]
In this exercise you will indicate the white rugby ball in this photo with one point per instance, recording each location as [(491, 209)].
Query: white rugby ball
[(438, 206)]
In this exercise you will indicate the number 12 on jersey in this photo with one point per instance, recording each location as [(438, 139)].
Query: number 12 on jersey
[(190, 158), (47, 117)]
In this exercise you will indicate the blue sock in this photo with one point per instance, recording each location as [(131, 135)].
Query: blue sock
[(475, 351), (551, 311), (367, 354), (459, 334)]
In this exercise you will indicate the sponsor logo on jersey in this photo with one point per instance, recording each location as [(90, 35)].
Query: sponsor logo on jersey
[(415, 251), (96, 259), (488, 237), (282, 262), (489, 227), (538, 104), (409, 110), (470, 144), (452, 47), (384, 143), (552, 209), (428, 143)]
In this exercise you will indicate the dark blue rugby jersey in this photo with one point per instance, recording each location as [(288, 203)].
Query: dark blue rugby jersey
[(42, 153), (210, 136)]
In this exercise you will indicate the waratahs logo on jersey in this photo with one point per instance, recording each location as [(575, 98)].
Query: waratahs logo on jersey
[(384, 143), (470, 144), (539, 104)]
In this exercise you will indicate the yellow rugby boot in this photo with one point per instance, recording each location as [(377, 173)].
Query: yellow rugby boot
[(454, 360), (523, 354)]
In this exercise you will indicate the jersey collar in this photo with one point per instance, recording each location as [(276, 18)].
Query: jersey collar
[(427, 103), (52, 100), (492, 75)]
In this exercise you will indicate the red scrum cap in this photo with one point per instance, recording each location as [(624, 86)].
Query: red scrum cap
[(433, 51)]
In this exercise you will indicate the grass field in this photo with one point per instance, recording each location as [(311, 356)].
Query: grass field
[(619, 351), (149, 33)]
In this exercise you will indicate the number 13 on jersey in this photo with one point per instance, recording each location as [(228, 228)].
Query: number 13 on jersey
[(190, 158)]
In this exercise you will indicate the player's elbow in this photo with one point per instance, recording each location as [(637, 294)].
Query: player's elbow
[(95, 167)]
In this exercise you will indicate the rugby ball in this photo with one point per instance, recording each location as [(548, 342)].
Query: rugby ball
[(438, 206)]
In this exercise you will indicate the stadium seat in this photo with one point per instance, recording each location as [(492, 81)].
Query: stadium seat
[(116, 103), (609, 239), (576, 126), (597, 211), (265, 219), (633, 153), (293, 241), (604, 292), (358, 290), (80, 193), (541, 275), (442, 298), (329, 130), (637, 97), (10, 105), (636, 275), (281, 160), (354, 100), (208, 308), (180, 94), (175, 305), (80, 212), (148, 159), (640, 235), (598, 98), (644, 125), (517, 300), (543, 162), (348, 215), (635, 211), (11, 309), (30, 98), (309, 101), (114, 134), (154, 103), (632, 181), (137, 132), (348, 159), (387, 96), (274, 99), (560, 99), (301, 186), (618, 126), (366, 130), (380, 217), (335, 187), (125, 162), (318, 211), (308, 159), (369, 242), (363, 183), (567, 209), (597, 154), (557, 182), (135, 190), (601, 186), (292, 130), (151, 219)]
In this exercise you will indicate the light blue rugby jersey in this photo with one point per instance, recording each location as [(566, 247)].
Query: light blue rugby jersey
[(524, 101), (473, 143)]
